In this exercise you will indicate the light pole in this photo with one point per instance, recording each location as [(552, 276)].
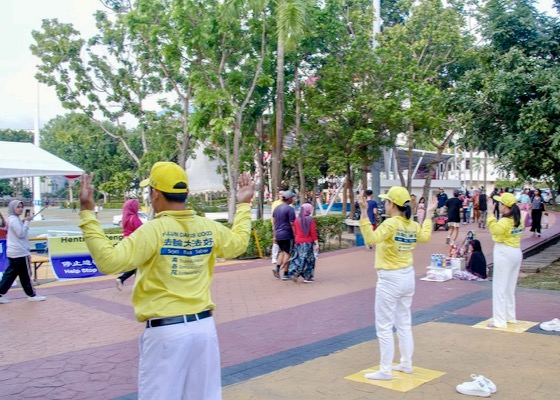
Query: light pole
[(37, 203)]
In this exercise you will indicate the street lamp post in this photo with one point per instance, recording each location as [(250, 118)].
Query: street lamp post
[(37, 202)]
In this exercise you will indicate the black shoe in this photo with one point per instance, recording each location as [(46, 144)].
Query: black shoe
[(276, 272)]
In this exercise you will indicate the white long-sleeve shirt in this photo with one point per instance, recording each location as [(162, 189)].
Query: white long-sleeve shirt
[(18, 241)]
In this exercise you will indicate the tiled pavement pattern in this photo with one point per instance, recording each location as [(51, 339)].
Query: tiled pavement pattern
[(281, 340)]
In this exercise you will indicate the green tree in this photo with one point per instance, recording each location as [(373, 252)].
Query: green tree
[(133, 70), (77, 139), (510, 102), (420, 63), (341, 116)]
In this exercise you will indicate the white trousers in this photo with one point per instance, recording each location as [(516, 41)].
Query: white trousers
[(507, 263), (393, 298), (180, 362)]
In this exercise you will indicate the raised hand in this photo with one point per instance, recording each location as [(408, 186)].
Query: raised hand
[(432, 207), (86, 193), (245, 188), (363, 203)]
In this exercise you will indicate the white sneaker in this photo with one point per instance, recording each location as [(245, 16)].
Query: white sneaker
[(378, 376), (491, 385), (402, 368), (4, 300), (474, 388), (274, 261), (119, 284), (37, 298), (549, 326)]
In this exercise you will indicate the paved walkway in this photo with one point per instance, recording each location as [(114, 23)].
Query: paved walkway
[(281, 340)]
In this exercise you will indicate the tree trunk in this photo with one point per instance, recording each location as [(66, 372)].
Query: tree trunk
[(259, 169), (277, 156), (410, 158), (300, 166)]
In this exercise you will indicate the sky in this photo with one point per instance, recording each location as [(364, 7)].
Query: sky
[(20, 94)]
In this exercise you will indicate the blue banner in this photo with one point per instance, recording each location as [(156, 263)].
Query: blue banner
[(3, 257)]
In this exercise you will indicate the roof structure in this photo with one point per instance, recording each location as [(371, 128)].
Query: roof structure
[(19, 160)]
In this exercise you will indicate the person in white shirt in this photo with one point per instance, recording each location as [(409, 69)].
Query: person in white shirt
[(18, 253)]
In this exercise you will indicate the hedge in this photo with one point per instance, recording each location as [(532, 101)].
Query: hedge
[(329, 229)]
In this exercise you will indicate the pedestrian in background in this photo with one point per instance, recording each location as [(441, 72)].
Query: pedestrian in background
[(17, 250), (537, 209), (306, 244), (283, 219), (3, 227), (453, 209), (395, 238), (130, 222), (174, 255), (506, 233), (372, 208), (421, 210), (275, 248)]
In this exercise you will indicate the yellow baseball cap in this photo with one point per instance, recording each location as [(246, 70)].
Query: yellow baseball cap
[(507, 199), (397, 195), (167, 177)]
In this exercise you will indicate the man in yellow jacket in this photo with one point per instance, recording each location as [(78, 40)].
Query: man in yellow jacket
[(174, 255)]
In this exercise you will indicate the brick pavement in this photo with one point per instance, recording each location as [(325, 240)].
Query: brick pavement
[(281, 340)]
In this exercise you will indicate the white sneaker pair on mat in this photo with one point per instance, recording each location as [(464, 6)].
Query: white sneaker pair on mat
[(480, 386)]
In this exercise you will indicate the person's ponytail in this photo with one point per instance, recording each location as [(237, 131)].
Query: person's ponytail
[(406, 209)]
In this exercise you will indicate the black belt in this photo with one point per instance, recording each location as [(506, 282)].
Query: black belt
[(152, 323)]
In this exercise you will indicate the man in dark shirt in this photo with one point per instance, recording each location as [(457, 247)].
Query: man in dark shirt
[(283, 219), (372, 208), (453, 207), (483, 207), (441, 200)]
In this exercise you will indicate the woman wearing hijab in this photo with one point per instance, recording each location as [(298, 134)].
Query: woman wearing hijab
[(306, 239), (18, 253), (130, 222)]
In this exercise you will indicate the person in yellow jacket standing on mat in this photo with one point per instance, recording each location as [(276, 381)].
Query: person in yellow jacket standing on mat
[(395, 238), (174, 255), (507, 257)]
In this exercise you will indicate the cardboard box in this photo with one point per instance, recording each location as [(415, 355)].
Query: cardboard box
[(458, 263)]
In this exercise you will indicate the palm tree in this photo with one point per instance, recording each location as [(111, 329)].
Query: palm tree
[(290, 25)]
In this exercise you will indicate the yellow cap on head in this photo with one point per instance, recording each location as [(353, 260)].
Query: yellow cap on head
[(507, 199), (397, 195), (167, 177)]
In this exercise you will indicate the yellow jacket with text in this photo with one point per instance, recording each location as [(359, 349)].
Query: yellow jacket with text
[(395, 238), (174, 257), (503, 231)]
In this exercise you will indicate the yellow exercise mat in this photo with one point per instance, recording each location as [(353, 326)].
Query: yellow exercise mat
[(401, 382), (519, 327)]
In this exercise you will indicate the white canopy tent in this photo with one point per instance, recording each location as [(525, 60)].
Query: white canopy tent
[(19, 160), (22, 160), (202, 174)]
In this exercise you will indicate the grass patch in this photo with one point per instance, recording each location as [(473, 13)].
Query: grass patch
[(548, 278)]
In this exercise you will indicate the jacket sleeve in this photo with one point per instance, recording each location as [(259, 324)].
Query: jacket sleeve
[(233, 242), (425, 233), (131, 252), (19, 228), (383, 231), (495, 227)]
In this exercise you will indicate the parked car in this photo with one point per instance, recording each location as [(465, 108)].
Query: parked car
[(117, 219), (550, 196)]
